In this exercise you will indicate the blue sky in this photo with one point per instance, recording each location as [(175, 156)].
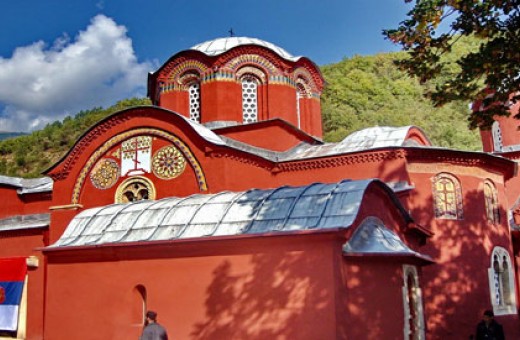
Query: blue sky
[(58, 57)]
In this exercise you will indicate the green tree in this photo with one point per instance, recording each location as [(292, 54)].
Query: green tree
[(29, 155), (488, 72), (365, 91)]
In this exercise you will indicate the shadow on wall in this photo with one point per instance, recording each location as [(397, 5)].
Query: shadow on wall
[(456, 289), (283, 295)]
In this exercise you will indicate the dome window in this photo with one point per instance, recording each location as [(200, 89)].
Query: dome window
[(249, 99)]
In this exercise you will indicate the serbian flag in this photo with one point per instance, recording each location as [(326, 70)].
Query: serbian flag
[(12, 277)]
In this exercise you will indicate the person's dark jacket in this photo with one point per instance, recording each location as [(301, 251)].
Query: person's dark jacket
[(154, 331), (492, 332)]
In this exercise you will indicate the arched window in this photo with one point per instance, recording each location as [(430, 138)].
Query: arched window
[(249, 98), (491, 200), (300, 93), (139, 305), (447, 196), (412, 302), (135, 189), (194, 97), (497, 136), (303, 91), (190, 81), (501, 282)]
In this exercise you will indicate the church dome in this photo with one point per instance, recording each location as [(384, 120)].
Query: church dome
[(218, 46)]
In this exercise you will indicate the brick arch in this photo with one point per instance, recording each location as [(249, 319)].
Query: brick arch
[(94, 158), (188, 65), (304, 77), (174, 79), (253, 60), (251, 70)]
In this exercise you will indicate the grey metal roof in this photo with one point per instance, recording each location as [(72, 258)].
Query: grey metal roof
[(28, 185), (375, 137), (313, 207), (204, 132), (221, 45), (370, 138), (373, 237), (20, 222)]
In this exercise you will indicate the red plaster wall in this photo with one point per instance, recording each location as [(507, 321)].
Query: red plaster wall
[(13, 204), (374, 299), (258, 288), (458, 286), (486, 137), (273, 137), (310, 116), (176, 101), (282, 103), (221, 101)]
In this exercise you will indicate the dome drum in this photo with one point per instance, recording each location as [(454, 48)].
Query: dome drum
[(243, 80)]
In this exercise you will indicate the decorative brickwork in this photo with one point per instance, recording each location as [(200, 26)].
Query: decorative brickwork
[(133, 133), (168, 162), (105, 173), (252, 59), (71, 158)]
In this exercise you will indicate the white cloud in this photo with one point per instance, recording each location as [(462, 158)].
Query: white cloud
[(39, 84)]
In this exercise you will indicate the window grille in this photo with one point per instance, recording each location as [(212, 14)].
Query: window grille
[(194, 94), (249, 100), (447, 197)]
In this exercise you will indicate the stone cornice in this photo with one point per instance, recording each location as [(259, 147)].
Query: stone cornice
[(502, 165), (341, 160)]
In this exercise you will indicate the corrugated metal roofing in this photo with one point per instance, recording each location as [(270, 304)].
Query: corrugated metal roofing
[(20, 222), (312, 207), (28, 185), (222, 45)]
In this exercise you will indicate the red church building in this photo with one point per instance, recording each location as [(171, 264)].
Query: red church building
[(221, 208)]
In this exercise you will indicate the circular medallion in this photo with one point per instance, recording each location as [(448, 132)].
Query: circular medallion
[(105, 173), (168, 162)]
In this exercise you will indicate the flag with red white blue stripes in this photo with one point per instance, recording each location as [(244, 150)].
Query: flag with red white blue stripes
[(12, 278)]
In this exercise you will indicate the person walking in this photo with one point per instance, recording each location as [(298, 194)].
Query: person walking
[(152, 330), (489, 329)]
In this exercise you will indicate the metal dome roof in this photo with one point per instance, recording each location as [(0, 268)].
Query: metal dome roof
[(221, 45)]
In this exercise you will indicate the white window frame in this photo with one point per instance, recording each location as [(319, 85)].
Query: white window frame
[(506, 304), (419, 312), (497, 137)]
